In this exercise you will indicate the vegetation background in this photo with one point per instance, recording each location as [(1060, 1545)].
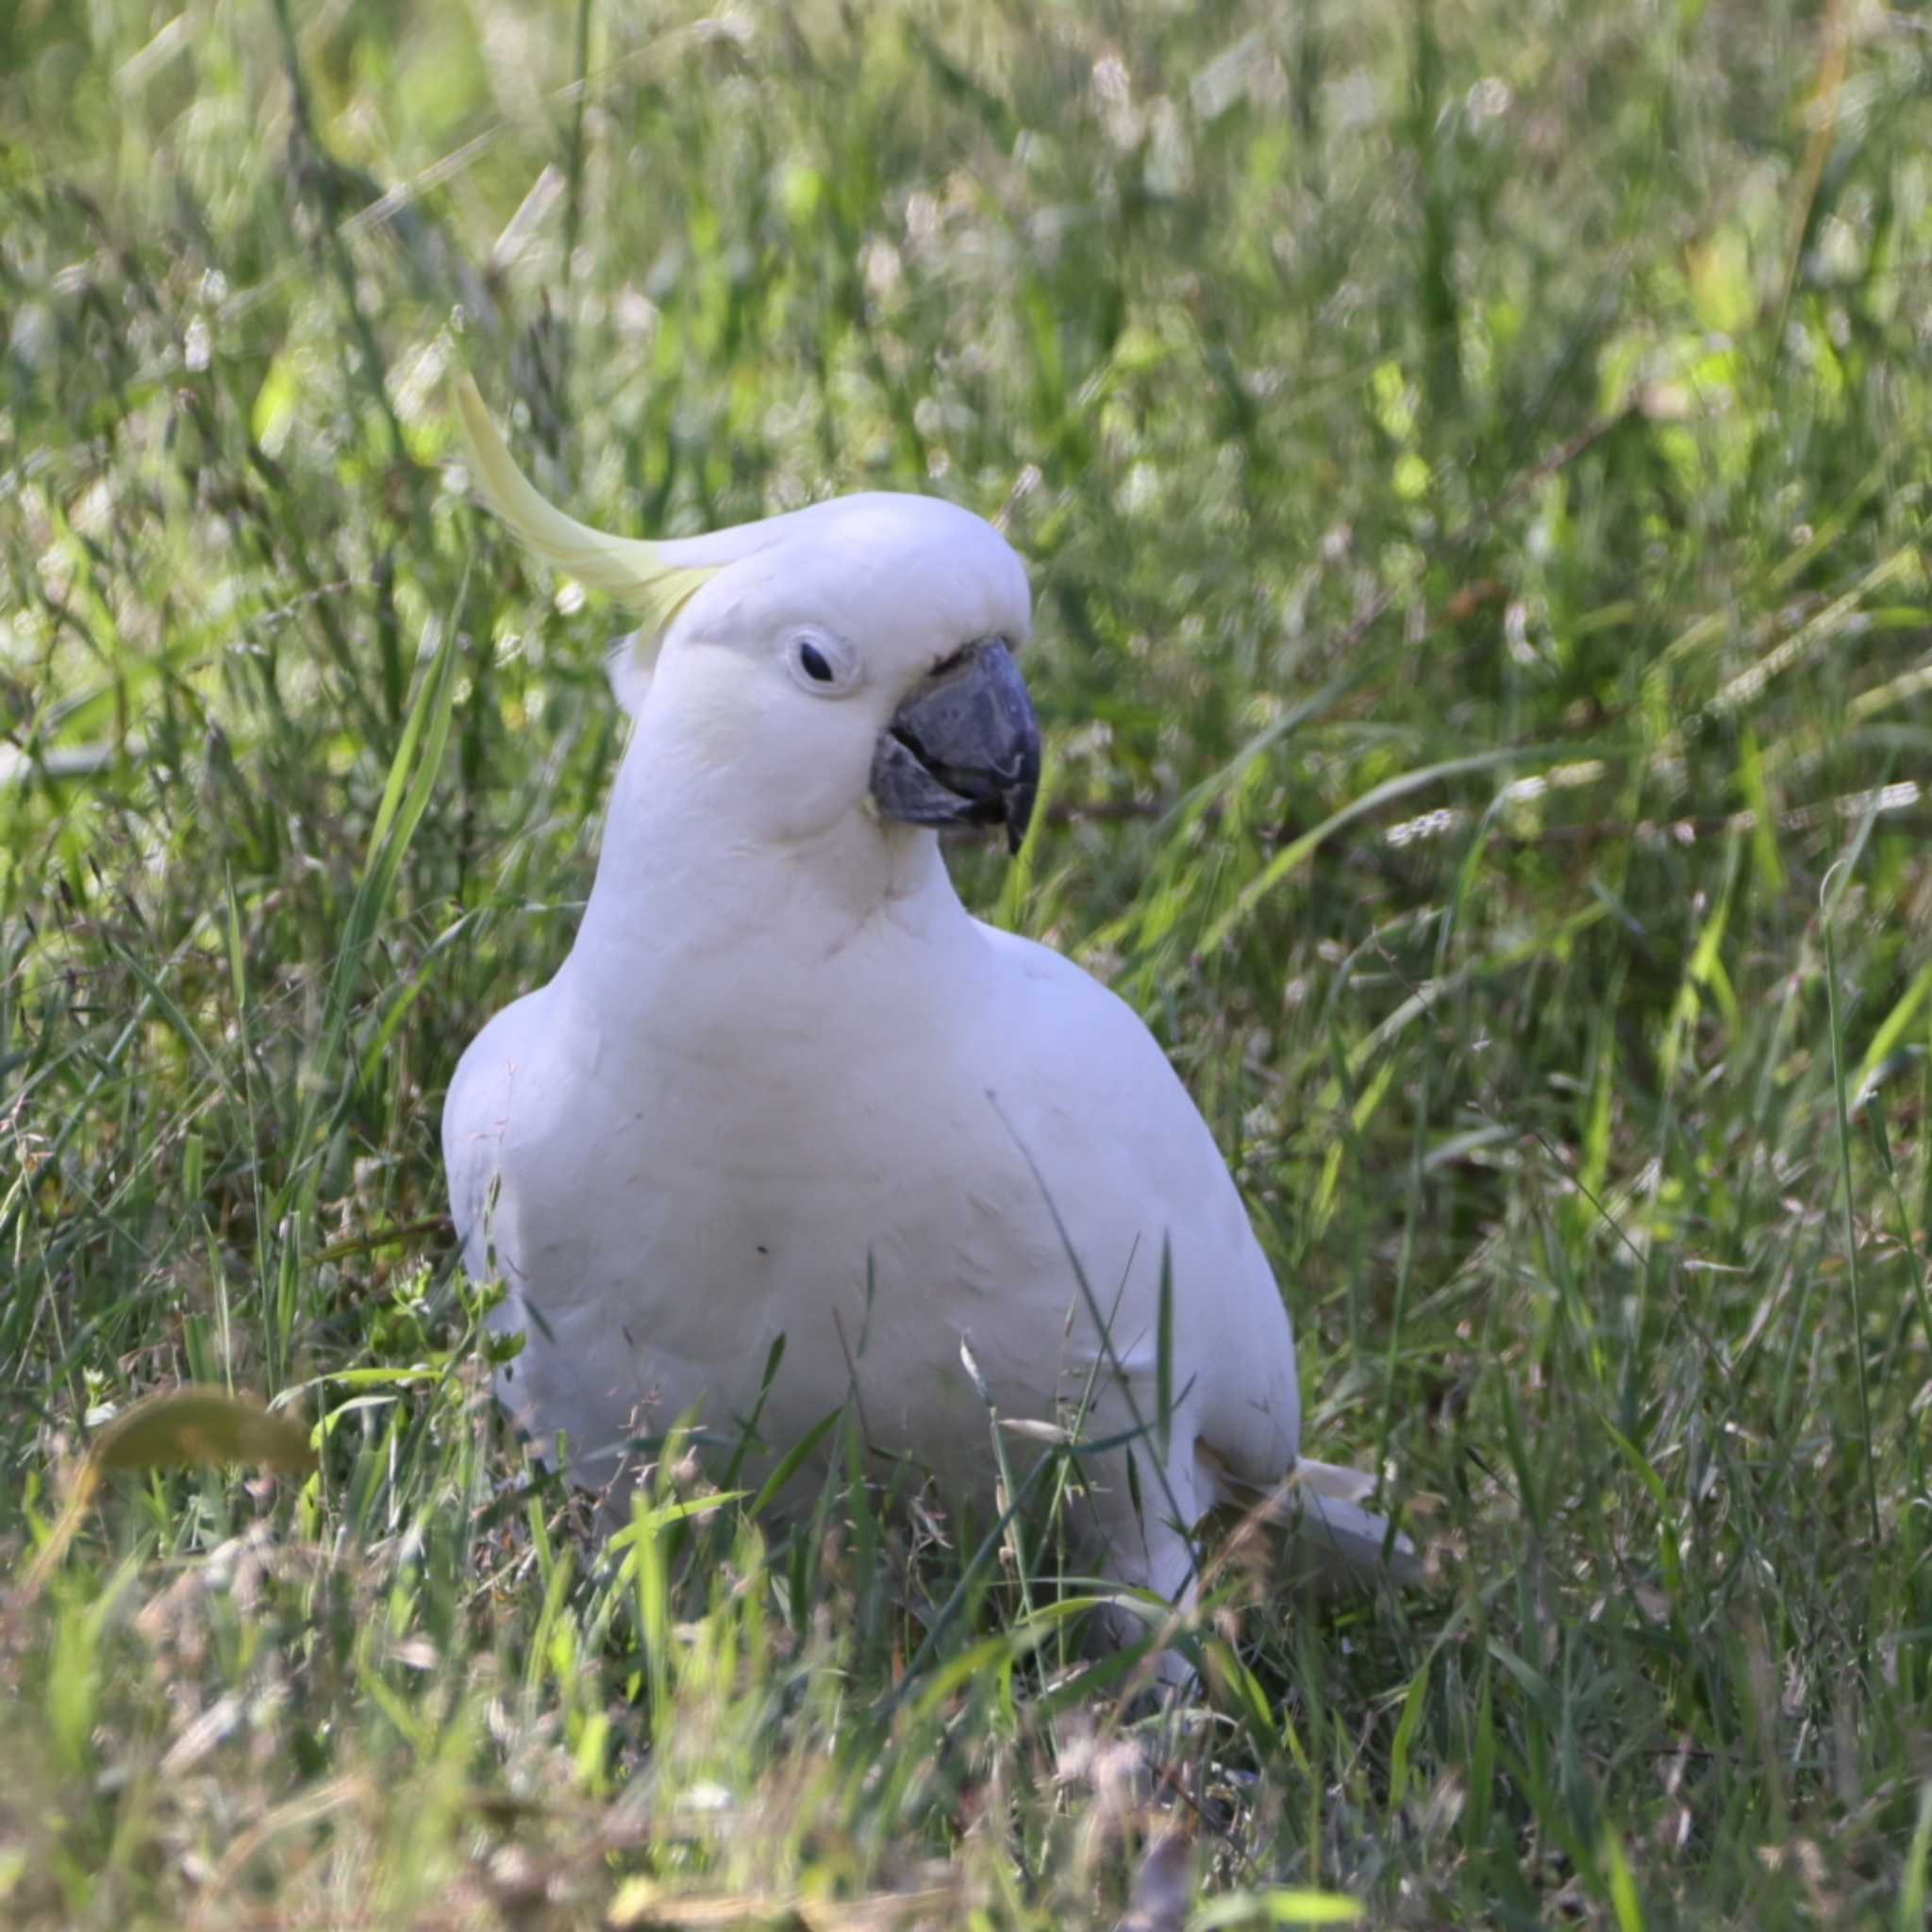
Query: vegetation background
[(1471, 457)]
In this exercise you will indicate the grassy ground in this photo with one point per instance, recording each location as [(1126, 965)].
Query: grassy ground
[(1473, 461)]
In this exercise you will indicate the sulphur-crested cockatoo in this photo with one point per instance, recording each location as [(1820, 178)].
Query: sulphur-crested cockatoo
[(785, 1085)]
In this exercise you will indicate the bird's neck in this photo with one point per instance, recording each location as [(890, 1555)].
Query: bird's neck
[(685, 886)]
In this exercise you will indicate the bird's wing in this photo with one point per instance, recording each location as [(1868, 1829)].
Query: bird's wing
[(1114, 1128), (508, 1052)]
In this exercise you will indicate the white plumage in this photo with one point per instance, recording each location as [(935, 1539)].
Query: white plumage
[(784, 1084)]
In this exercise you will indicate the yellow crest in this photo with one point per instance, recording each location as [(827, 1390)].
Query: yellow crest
[(627, 568)]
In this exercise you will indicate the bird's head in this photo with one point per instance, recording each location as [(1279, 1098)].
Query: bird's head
[(857, 656)]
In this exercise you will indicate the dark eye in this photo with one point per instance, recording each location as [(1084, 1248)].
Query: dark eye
[(822, 663)]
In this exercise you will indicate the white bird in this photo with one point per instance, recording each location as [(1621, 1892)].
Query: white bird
[(785, 1085)]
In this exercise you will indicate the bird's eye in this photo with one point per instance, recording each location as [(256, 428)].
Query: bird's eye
[(823, 664)]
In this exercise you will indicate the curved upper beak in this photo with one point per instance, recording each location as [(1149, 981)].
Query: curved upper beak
[(964, 748)]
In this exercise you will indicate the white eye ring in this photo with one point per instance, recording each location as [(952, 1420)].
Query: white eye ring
[(825, 666)]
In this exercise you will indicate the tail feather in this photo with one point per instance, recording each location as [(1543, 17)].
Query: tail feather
[(1336, 1539), (1334, 1481), (1358, 1541)]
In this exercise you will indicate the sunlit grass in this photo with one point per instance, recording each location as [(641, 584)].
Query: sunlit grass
[(1473, 464)]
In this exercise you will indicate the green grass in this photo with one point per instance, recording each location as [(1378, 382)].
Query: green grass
[(1472, 461)]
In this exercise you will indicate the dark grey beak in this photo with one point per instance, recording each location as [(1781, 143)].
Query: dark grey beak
[(964, 748)]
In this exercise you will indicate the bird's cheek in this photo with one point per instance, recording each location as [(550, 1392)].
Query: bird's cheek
[(809, 787)]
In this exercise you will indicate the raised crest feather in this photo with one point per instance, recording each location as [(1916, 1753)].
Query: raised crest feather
[(627, 568)]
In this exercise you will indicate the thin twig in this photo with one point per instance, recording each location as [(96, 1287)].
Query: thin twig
[(381, 1238)]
